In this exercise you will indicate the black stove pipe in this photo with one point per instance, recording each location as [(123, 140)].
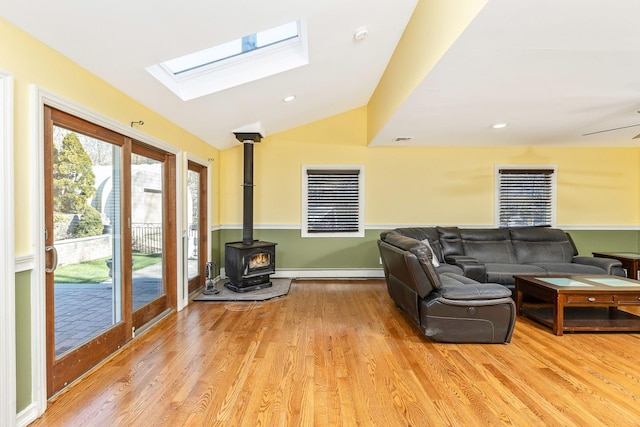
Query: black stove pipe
[(247, 194), (248, 139)]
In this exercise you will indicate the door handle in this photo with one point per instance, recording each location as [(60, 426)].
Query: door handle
[(54, 257)]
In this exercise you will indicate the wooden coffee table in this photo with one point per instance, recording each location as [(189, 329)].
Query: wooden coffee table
[(579, 302)]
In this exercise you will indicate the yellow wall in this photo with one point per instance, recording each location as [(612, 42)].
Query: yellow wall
[(453, 185), (278, 165), (597, 187), (404, 186), (434, 26), (428, 185), (33, 63)]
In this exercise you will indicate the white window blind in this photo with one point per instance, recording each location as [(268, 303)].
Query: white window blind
[(333, 202), (526, 197)]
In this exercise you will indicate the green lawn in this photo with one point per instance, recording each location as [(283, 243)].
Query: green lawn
[(96, 271)]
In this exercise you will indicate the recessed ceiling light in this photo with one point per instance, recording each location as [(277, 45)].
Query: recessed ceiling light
[(361, 33), (289, 98), (499, 125)]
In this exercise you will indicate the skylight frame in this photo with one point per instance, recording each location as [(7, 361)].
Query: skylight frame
[(236, 70), (211, 57)]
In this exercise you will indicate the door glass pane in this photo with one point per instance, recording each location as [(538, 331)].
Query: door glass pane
[(193, 214), (87, 206), (147, 207)]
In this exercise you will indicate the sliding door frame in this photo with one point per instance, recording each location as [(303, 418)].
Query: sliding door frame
[(168, 300), (39, 98), (199, 280), (66, 368)]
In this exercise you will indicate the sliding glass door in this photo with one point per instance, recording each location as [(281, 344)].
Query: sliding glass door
[(83, 222), (108, 207), (153, 254), (197, 225)]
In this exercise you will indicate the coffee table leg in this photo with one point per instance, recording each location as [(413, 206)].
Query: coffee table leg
[(558, 315)]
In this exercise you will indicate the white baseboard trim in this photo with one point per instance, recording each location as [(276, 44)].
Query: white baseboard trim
[(333, 273)]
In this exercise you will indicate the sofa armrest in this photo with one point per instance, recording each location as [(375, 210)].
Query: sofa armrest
[(611, 266), (470, 266)]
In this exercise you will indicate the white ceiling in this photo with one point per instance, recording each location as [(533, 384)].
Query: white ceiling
[(118, 39), (552, 70)]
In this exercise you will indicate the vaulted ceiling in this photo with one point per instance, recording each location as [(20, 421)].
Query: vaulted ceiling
[(551, 70)]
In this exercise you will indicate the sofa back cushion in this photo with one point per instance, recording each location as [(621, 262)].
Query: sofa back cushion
[(422, 233), (488, 245), (450, 241), (423, 255), (542, 244)]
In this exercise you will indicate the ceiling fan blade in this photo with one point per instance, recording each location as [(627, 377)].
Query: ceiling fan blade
[(636, 137), (609, 130)]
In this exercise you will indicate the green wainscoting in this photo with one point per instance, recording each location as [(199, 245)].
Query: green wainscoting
[(23, 340), (216, 251), (588, 241), (295, 252)]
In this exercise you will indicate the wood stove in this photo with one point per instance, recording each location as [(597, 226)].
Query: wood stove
[(249, 263), (248, 266)]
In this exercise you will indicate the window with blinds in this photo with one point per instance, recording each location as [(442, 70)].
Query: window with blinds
[(333, 202), (526, 197)]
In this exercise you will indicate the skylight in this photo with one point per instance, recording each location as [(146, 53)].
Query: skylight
[(233, 48), (234, 63)]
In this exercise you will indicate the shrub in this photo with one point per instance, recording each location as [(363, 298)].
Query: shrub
[(73, 176), (90, 223)]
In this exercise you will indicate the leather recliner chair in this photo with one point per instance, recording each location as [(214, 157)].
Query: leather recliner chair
[(448, 307)]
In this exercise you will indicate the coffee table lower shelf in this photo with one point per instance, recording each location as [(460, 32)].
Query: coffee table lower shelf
[(585, 319)]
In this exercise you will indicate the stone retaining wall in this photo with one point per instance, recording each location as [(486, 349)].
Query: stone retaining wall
[(73, 251)]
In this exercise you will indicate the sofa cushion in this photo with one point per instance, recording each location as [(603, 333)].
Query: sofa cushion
[(540, 244), (421, 252), (503, 273), (449, 268), (568, 268), (478, 291), (400, 241), (488, 245), (455, 279), (422, 233), (424, 255), (450, 241)]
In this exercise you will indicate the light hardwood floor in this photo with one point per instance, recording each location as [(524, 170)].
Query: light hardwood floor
[(337, 353)]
